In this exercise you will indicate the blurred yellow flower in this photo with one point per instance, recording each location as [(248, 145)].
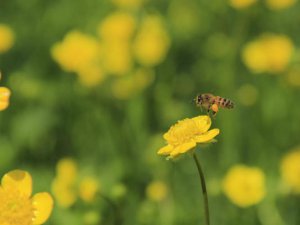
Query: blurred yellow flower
[(119, 26), (4, 98), (17, 206), (91, 75), (157, 191), (185, 135), (279, 4), (269, 53), (67, 169), (76, 51), (244, 186), (241, 4), (64, 184), (88, 189), (152, 42), (117, 59), (290, 169), (64, 192), (67, 185), (7, 38), (126, 87)]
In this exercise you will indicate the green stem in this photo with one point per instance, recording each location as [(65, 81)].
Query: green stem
[(204, 192)]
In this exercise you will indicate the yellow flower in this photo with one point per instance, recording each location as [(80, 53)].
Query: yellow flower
[(157, 191), (117, 59), (88, 188), (152, 42), (280, 4), (119, 26), (244, 186), (91, 75), (241, 4), (76, 51), (269, 53), (184, 135), (67, 187), (64, 184), (17, 206), (64, 192), (4, 98), (126, 87), (290, 169), (7, 38)]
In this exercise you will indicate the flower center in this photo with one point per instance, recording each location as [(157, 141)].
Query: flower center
[(15, 208), (183, 132)]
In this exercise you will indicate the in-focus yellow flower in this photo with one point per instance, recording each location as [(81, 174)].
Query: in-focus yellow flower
[(7, 38), (88, 188), (185, 135), (269, 53), (280, 4), (4, 98), (157, 191), (244, 186), (17, 207), (76, 51), (152, 42), (119, 26), (290, 169), (241, 4)]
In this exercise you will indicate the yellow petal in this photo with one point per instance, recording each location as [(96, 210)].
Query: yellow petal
[(43, 204), (18, 179), (203, 123), (209, 135), (183, 148), (165, 150)]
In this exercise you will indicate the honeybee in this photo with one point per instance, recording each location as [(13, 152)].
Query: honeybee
[(212, 103)]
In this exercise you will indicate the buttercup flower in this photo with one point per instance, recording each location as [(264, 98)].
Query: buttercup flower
[(76, 51), (269, 53), (290, 169), (6, 38), (88, 188), (244, 186), (240, 4), (119, 26), (17, 206), (280, 4), (152, 42), (4, 98), (67, 185), (157, 191), (185, 135)]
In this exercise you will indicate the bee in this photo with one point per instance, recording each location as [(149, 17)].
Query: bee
[(212, 103)]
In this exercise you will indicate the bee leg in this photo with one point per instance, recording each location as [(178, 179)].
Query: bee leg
[(214, 114)]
